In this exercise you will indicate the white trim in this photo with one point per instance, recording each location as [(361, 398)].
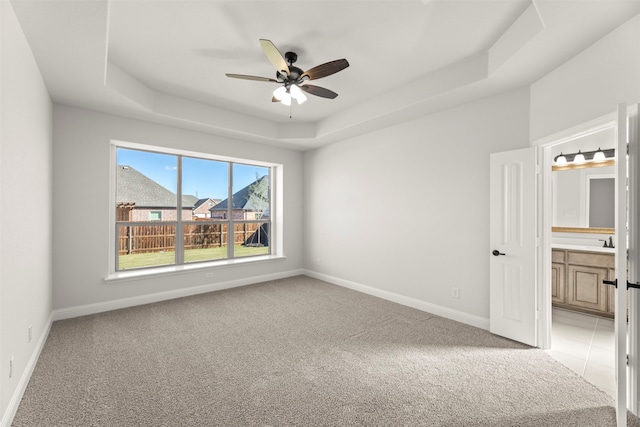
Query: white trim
[(14, 403), (449, 313), (579, 131), (188, 153), (146, 273), (84, 310), (634, 259)]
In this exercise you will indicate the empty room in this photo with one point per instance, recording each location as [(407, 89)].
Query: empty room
[(319, 213)]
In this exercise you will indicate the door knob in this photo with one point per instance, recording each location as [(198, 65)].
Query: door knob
[(496, 252)]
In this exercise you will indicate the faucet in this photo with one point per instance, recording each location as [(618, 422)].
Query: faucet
[(605, 243), (610, 242)]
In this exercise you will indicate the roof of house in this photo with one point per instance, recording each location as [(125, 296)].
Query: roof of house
[(243, 199), (190, 200), (202, 201), (135, 187)]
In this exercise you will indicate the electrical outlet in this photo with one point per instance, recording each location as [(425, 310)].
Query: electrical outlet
[(208, 275), (11, 367), (30, 333), (455, 293)]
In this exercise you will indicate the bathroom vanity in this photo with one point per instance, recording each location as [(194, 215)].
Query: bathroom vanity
[(577, 275)]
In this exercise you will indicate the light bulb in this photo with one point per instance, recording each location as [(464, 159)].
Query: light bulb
[(579, 158), (297, 94), (599, 156), (280, 93), (286, 99), (561, 160)]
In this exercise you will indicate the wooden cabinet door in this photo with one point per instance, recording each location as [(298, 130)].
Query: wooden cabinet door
[(558, 283), (585, 288)]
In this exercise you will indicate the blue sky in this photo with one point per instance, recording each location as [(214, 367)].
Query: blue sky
[(200, 177)]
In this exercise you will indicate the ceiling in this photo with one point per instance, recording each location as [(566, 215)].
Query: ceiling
[(165, 61)]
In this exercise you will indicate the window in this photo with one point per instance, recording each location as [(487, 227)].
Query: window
[(181, 208)]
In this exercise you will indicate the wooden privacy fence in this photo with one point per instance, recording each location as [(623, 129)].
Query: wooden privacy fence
[(138, 239)]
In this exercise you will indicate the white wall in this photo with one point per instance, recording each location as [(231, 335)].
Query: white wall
[(405, 209), (590, 85), (81, 206), (25, 209)]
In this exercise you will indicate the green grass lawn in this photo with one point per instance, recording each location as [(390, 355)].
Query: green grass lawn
[(154, 259)]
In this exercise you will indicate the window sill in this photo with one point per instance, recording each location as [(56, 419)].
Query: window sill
[(124, 276)]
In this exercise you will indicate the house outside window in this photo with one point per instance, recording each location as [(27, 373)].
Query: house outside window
[(159, 220)]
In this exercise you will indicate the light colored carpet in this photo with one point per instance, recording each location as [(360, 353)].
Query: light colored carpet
[(297, 352)]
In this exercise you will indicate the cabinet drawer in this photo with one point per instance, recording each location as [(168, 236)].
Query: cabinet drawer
[(592, 259)]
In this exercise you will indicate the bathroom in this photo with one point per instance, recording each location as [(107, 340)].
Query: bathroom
[(583, 255)]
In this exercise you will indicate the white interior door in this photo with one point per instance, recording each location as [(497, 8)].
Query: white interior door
[(621, 266), (633, 219), (512, 254)]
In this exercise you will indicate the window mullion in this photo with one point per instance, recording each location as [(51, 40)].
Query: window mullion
[(179, 243), (231, 225)]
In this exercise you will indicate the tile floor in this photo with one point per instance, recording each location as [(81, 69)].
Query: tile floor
[(586, 344)]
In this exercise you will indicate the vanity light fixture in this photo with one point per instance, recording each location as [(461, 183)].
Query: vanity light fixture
[(598, 155)]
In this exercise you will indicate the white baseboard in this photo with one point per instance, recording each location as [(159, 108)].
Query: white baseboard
[(84, 310), (449, 313), (12, 408)]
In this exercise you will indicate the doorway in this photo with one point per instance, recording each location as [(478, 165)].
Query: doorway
[(582, 328), (544, 290)]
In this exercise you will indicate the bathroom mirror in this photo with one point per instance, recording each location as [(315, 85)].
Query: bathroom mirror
[(583, 200)]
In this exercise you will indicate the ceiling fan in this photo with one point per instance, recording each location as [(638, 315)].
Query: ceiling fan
[(293, 79)]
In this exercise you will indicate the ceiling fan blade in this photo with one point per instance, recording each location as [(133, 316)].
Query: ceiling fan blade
[(256, 78), (274, 56), (326, 69), (319, 91)]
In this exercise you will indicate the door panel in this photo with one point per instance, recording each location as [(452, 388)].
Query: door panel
[(557, 283), (586, 289), (513, 245)]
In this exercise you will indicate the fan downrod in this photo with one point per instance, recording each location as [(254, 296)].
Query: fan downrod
[(291, 57)]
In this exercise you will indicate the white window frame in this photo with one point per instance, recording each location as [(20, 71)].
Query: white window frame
[(275, 213)]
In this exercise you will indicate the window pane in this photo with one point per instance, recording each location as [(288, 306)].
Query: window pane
[(251, 192), (251, 239), (205, 242), (146, 186), (205, 183), (146, 245)]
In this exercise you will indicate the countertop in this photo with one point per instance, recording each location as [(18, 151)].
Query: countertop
[(583, 248)]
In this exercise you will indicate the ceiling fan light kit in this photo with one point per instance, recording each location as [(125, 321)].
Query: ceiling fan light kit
[(293, 79)]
